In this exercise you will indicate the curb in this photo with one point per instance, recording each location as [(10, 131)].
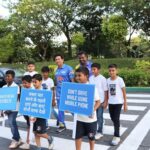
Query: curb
[(138, 89)]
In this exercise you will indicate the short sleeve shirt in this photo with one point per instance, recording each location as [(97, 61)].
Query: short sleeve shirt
[(87, 119), (30, 73), (88, 66), (115, 90), (63, 74), (101, 84), (47, 84)]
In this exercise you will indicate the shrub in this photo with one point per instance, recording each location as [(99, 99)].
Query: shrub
[(143, 64)]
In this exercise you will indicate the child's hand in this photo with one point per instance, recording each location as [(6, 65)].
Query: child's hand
[(104, 105), (125, 107), (32, 119), (53, 103)]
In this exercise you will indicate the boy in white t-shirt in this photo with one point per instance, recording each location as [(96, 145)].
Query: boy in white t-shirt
[(116, 98), (12, 115), (30, 69), (101, 84), (86, 126), (48, 83)]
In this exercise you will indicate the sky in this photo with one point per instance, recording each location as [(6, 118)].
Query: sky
[(4, 12)]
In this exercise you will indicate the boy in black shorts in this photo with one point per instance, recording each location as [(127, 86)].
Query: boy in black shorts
[(39, 127), (26, 83), (86, 126)]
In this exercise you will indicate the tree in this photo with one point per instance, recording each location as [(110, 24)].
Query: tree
[(31, 21)]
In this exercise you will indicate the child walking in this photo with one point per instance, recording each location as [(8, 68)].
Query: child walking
[(86, 126), (39, 127), (48, 84), (26, 83), (12, 115), (100, 83), (116, 98)]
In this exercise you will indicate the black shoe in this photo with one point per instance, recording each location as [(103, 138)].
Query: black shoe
[(61, 129), (57, 123), (51, 143)]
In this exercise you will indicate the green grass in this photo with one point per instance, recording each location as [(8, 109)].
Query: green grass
[(128, 63)]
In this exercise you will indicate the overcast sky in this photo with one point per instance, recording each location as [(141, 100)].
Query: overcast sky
[(4, 12)]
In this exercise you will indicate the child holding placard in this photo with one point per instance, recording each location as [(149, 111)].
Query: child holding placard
[(39, 123), (26, 83), (86, 126), (12, 115)]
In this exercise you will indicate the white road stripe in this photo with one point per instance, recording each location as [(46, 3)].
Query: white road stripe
[(138, 101), (123, 117), (109, 130), (137, 135), (136, 108), (139, 95), (59, 143)]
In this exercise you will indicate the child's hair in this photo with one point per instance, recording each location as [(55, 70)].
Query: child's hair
[(56, 55), (83, 70), (112, 66), (30, 63), (37, 77), (10, 72), (27, 78), (96, 65), (45, 69)]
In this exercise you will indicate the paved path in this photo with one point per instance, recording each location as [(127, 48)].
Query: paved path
[(135, 129)]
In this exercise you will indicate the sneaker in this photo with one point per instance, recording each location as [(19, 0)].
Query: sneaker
[(51, 143), (61, 129), (98, 136), (25, 146), (115, 141), (14, 144)]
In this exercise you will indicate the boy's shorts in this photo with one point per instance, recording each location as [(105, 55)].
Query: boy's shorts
[(27, 120), (86, 129), (40, 126)]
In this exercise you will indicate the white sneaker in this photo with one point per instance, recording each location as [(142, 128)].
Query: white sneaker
[(98, 136), (25, 146), (14, 144), (115, 141)]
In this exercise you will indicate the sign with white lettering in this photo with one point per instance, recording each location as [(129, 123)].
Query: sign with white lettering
[(36, 103), (77, 98), (8, 98)]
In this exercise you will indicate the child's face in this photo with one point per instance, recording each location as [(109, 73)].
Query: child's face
[(31, 67), (80, 77), (9, 78), (36, 83), (82, 59), (113, 72), (26, 84), (95, 71), (45, 75)]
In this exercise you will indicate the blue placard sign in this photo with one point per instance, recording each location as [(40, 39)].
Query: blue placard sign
[(77, 98), (8, 98), (36, 103)]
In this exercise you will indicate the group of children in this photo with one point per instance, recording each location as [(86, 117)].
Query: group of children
[(108, 92)]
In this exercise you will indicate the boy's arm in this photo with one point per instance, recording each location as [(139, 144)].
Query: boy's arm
[(53, 100), (125, 99), (97, 105), (105, 104)]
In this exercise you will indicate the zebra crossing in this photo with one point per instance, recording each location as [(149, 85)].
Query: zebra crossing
[(134, 124)]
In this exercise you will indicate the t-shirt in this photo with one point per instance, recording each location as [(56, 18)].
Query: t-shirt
[(87, 119), (47, 84), (101, 85), (63, 74), (30, 73), (115, 90), (14, 85), (88, 66)]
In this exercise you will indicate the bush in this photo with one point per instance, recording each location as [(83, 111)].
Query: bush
[(133, 78), (143, 64)]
